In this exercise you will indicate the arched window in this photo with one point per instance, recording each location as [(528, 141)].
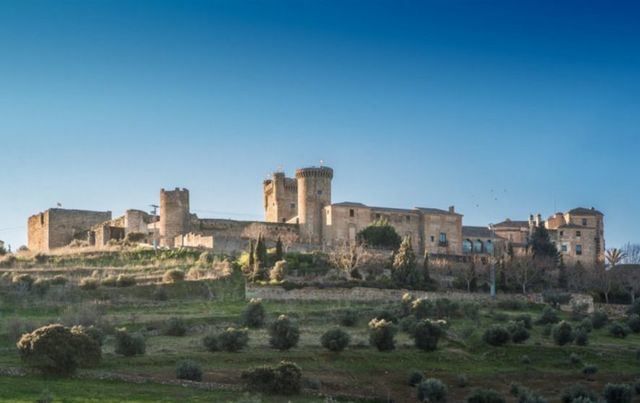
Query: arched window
[(478, 247), (488, 246), (467, 246)]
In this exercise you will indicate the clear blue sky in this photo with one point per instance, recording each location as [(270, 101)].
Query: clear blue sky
[(503, 108)]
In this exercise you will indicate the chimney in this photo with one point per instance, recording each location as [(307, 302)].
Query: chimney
[(452, 209)]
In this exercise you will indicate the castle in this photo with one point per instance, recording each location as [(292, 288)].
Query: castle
[(300, 212)]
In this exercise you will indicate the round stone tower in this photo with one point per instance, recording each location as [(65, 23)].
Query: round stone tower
[(174, 215), (314, 192)]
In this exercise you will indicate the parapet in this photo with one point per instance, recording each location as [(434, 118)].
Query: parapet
[(315, 172)]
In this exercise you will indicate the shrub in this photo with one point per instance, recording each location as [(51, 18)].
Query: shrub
[(585, 325), (519, 333), (549, 315), (546, 330), (173, 276), (380, 234), (348, 318), (426, 335), (485, 396), (382, 334), (415, 377), (633, 322), (432, 390), (525, 360), (528, 396), (210, 342), (124, 280), (129, 344), (335, 340), (422, 308), (462, 381), (109, 281), (589, 370), (93, 332), (284, 333), (285, 379), (386, 315), (636, 387), (408, 324), (189, 370), (634, 309), (23, 281), (562, 333), (599, 319), (575, 359), (233, 339), (279, 270), (55, 349), (496, 335), (582, 337), (89, 283), (617, 393), (578, 391), (175, 327), (254, 314), (525, 319), (619, 330), (579, 311), (40, 286)]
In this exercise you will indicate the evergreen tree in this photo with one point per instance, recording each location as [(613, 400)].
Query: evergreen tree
[(279, 253), (252, 251), (540, 244), (563, 282), (404, 266), (261, 251)]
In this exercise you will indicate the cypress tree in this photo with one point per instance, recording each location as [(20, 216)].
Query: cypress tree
[(404, 265), (540, 244), (563, 282), (279, 253), (261, 251), (252, 251)]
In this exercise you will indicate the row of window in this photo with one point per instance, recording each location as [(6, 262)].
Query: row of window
[(565, 248), (477, 246)]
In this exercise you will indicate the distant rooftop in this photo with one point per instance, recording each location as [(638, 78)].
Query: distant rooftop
[(585, 211)]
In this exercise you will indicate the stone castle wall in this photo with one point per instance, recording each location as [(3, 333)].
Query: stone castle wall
[(56, 228)]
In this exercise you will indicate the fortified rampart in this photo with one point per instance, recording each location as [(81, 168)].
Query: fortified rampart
[(56, 227)]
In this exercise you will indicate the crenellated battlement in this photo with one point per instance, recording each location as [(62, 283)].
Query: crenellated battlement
[(314, 172)]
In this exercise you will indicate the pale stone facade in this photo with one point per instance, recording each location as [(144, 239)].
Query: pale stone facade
[(300, 211)]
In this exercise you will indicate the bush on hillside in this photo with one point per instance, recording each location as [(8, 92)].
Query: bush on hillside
[(633, 322), (426, 335), (415, 377), (59, 280), (578, 391), (348, 317), (562, 333), (284, 333), (599, 319), (23, 281), (634, 308), (129, 344), (589, 370), (422, 308), (189, 370), (548, 316), (617, 393), (254, 314), (91, 331), (382, 334), (335, 340), (432, 390), (124, 280), (525, 319), (210, 342), (55, 349), (380, 234), (585, 325), (233, 339), (582, 337), (485, 396), (496, 335), (518, 332), (173, 276), (175, 326), (285, 379), (619, 330)]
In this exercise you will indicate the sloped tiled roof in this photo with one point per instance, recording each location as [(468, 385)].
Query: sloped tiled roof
[(511, 224), (429, 210), (585, 211), (476, 232)]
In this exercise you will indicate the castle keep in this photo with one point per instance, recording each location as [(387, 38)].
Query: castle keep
[(301, 213)]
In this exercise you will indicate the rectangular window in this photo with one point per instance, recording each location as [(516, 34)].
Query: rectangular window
[(442, 240), (564, 247), (319, 192), (433, 239), (352, 213), (561, 233), (292, 205), (578, 234), (578, 249), (584, 222)]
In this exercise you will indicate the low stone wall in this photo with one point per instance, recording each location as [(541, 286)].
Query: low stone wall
[(613, 310), (377, 294)]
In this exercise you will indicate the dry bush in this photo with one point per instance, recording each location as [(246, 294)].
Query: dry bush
[(173, 276)]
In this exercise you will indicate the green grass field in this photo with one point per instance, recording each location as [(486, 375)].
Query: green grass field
[(360, 373)]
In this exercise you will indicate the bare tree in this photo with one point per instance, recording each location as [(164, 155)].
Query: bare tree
[(348, 258), (602, 280), (467, 273), (524, 271), (631, 253), (289, 238)]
